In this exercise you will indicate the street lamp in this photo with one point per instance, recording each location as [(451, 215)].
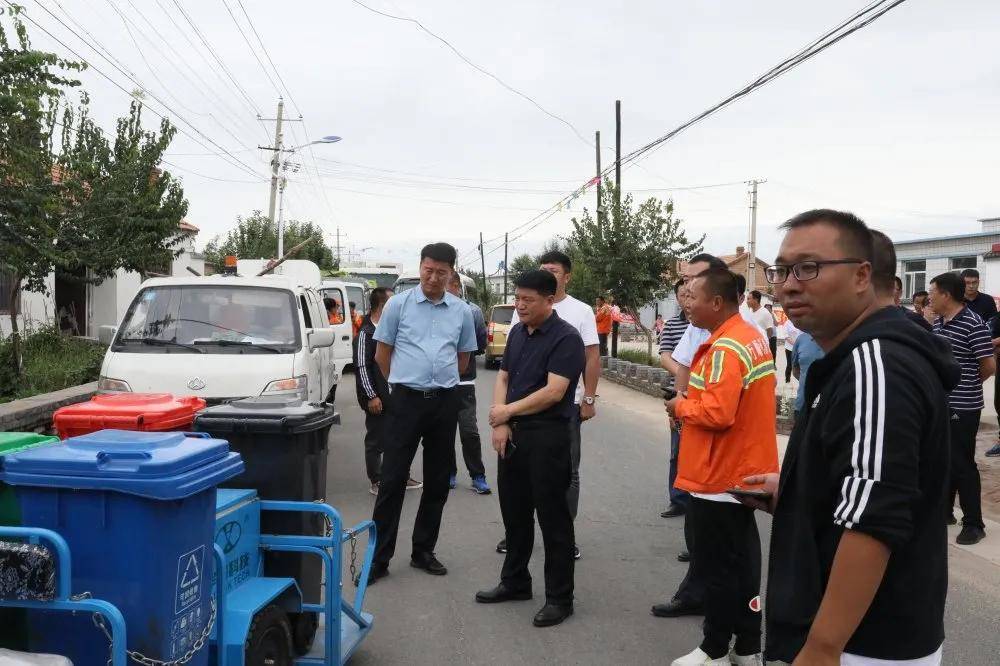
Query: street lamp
[(275, 181)]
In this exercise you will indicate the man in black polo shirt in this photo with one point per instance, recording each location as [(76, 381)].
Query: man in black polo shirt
[(980, 303), (532, 408), (972, 347)]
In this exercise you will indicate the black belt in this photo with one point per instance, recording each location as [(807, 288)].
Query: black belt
[(425, 394)]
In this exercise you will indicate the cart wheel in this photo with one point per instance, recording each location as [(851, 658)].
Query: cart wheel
[(270, 639), (304, 628)]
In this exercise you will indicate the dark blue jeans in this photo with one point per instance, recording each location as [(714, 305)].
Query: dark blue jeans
[(679, 497)]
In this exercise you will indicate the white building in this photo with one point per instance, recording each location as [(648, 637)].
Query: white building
[(919, 261), (82, 308)]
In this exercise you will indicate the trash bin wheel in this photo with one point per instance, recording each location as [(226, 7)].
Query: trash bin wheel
[(304, 628), (270, 640)]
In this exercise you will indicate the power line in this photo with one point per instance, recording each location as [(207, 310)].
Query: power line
[(215, 55), (816, 47), (250, 46), (291, 98), (235, 161), (858, 20), (466, 60)]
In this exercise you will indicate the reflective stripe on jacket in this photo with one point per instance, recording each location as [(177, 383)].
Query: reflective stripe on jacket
[(729, 414)]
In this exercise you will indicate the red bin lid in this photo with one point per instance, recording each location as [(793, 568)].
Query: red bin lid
[(129, 411)]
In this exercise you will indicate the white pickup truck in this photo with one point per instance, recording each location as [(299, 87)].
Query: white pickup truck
[(223, 337)]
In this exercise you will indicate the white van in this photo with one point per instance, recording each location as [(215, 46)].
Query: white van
[(341, 292), (223, 337), (408, 281)]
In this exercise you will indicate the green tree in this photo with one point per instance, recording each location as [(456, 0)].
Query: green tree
[(521, 265), (484, 298), (255, 237), (69, 200), (634, 254)]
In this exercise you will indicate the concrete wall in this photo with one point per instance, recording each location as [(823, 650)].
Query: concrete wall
[(938, 254), (36, 309)]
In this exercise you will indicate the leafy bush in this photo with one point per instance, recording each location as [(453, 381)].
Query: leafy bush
[(636, 356), (52, 361)]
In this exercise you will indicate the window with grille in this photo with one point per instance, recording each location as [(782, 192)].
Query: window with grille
[(914, 277)]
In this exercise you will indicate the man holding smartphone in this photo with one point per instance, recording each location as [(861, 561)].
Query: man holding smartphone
[(728, 427), (532, 412)]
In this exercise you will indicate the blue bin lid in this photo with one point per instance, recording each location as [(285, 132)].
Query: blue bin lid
[(158, 465)]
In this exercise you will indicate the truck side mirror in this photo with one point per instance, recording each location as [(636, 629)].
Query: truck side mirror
[(105, 334), (320, 337)]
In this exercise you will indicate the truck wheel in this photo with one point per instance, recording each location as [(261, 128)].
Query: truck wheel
[(270, 640), (304, 628)]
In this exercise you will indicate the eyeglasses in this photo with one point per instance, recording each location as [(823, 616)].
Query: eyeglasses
[(803, 270)]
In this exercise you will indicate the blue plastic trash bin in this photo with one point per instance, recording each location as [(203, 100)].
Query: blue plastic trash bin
[(138, 512)]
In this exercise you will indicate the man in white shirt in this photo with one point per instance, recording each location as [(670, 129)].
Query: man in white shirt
[(581, 317), (762, 318)]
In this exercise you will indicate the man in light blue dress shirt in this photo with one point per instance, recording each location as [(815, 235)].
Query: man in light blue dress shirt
[(425, 338)]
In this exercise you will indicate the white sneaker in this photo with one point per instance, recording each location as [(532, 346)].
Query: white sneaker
[(699, 658), (748, 660)]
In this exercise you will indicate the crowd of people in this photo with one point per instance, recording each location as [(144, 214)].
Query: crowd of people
[(886, 416)]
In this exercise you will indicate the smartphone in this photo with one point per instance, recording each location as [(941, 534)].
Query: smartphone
[(753, 494)]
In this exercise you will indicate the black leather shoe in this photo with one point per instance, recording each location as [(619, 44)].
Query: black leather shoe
[(683, 556), (428, 563), (377, 571), (673, 511), (502, 546), (551, 615), (501, 593), (970, 535), (677, 608)]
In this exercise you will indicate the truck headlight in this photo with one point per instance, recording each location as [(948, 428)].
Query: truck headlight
[(113, 385), (294, 386)]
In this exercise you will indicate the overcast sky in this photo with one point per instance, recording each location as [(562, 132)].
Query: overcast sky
[(897, 123)]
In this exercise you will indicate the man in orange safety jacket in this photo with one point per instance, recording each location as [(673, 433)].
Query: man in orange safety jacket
[(728, 433)]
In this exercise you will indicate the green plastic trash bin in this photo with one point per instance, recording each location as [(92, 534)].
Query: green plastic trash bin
[(13, 622)]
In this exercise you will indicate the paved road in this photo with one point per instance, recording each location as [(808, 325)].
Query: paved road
[(628, 561)]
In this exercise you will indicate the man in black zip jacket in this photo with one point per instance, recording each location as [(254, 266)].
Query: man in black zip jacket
[(372, 388), (858, 560)]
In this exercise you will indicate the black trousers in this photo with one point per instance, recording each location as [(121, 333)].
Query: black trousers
[(468, 432), (602, 339), (773, 344), (374, 424), (573, 494), (965, 480), (788, 365), (534, 479), (726, 548), (412, 417)]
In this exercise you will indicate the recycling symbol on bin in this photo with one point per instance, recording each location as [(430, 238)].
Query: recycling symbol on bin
[(228, 536)]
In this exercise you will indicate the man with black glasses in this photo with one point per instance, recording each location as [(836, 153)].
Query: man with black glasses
[(858, 570)]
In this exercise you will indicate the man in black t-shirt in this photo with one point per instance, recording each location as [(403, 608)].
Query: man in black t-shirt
[(533, 403), (980, 303)]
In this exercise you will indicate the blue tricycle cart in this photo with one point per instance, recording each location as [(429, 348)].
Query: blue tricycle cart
[(249, 621), (131, 533)]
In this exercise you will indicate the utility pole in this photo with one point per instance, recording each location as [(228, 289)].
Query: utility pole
[(505, 268), (338, 247), (752, 245), (281, 217), (276, 165), (618, 201), (482, 261), (618, 152), (597, 145)]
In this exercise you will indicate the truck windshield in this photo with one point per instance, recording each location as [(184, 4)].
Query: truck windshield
[(211, 319), (404, 284)]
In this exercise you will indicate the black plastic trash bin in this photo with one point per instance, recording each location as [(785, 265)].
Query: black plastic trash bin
[(283, 442)]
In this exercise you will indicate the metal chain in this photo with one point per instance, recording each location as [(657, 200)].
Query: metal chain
[(354, 558), (140, 658)]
